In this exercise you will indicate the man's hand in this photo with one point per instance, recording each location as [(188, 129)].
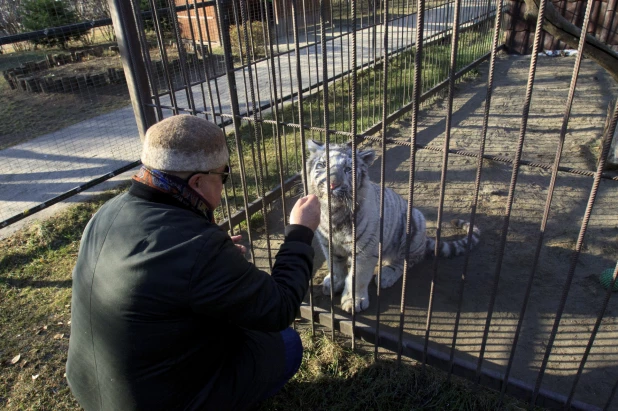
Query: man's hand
[(306, 212), (236, 239)]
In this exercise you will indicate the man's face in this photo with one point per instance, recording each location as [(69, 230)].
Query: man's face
[(209, 186)]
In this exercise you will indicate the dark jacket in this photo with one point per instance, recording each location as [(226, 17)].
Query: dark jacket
[(163, 307)]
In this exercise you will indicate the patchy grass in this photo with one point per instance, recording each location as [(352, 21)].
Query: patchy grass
[(35, 284), (333, 377)]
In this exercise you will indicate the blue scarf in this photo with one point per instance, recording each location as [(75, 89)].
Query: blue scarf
[(175, 187)]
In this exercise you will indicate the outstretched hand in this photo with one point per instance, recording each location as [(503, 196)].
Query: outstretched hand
[(306, 212)]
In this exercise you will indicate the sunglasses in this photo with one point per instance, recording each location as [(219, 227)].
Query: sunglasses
[(224, 175)]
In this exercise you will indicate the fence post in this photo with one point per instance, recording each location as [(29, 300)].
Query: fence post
[(132, 62), (223, 18)]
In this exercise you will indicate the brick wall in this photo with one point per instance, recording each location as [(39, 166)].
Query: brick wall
[(205, 15)]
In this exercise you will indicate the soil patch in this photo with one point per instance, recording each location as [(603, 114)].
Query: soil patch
[(595, 89)]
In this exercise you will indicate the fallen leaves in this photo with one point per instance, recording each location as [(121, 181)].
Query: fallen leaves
[(15, 359), (58, 336), (35, 376)]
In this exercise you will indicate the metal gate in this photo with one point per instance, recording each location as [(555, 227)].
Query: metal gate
[(275, 73)]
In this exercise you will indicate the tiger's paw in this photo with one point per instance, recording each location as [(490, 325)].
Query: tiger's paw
[(361, 303), (326, 284), (390, 275)]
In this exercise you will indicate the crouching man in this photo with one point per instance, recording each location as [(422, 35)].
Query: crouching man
[(166, 312)]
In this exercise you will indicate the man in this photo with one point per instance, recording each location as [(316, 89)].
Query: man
[(166, 312)]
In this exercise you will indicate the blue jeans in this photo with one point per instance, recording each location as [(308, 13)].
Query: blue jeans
[(293, 358)]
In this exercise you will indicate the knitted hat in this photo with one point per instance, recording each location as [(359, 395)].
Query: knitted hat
[(184, 143)]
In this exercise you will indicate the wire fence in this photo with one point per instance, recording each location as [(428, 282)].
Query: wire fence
[(407, 78)]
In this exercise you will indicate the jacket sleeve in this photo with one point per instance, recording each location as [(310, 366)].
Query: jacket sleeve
[(226, 286)]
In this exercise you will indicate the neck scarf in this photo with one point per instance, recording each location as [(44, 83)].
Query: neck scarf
[(175, 187)]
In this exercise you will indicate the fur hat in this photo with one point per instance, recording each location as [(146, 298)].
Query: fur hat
[(184, 143)]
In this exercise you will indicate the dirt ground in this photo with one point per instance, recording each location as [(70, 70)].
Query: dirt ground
[(594, 91)]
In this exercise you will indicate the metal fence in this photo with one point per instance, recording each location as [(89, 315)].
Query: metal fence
[(394, 74)]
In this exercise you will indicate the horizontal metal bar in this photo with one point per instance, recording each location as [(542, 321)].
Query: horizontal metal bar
[(67, 194), (235, 219), (70, 28), (256, 205), (438, 359), (506, 160)]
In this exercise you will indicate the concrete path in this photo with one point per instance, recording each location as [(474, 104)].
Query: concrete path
[(38, 170)]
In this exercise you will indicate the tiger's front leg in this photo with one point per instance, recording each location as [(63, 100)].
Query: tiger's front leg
[(336, 279), (364, 272)]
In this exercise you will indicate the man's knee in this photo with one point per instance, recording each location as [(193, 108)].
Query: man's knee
[(293, 351)]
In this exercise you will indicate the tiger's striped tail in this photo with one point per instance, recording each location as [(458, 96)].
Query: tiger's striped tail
[(455, 247)]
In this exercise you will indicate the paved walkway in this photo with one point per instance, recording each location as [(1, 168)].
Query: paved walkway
[(38, 170)]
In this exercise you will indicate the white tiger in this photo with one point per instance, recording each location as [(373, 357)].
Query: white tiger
[(367, 225)]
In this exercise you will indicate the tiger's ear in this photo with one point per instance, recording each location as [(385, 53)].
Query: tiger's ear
[(367, 157), (314, 146)]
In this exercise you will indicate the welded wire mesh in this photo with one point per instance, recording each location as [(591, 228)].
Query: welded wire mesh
[(65, 115)]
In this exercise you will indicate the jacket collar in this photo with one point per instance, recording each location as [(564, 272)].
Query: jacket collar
[(151, 194)]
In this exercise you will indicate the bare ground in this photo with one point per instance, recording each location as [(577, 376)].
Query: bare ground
[(600, 251)]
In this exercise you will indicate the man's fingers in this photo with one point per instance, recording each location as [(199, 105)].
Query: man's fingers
[(236, 238), (301, 201), (241, 248)]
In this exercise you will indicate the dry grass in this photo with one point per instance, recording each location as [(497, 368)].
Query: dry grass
[(333, 377), (35, 285)]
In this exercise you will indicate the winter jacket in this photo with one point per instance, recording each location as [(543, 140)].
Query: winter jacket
[(167, 314)]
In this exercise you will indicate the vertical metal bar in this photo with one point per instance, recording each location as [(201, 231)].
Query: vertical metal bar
[(203, 78), (578, 248), (224, 34), (196, 68), (182, 56), (212, 63), (447, 141), (550, 193), (327, 138), (163, 54), (256, 90), (308, 62), (595, 330), (133, 65), (152, 78), (511, 195), (204, 68), (241, 54), (276, 115), (477, 183), (382, 174), (260, 188), (354, 172), (218, 94), (289, 57), (301, 122), (417, 92)]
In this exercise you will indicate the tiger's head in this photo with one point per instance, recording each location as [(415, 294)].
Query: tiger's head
[(340, 183)]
